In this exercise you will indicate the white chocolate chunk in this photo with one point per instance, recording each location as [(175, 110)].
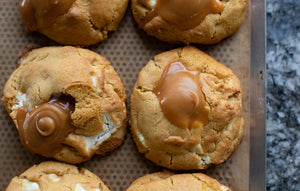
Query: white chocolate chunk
[(141, 138), (54, 177), (30, 186), (78, 187), (224, 188), (21, 99), (94, 79), (109, 127), (198, 149), (229, 127), (152, 3), (95, 83), (204, 160)]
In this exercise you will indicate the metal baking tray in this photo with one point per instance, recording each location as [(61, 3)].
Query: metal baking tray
[(257, 95), (129, 49)]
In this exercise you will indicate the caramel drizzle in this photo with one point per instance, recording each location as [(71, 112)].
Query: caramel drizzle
[(40, 14), (44, 129), (185, 15), (181, 98)]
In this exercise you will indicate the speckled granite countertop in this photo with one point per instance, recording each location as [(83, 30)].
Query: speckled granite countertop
[(283, 95)]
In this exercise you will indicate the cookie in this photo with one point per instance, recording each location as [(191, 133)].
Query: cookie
[(165, 181), (67, 103), (73, 22), (186, 110), (56, 176), (203, 22)]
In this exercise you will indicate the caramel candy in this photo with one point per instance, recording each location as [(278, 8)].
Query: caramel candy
[(43, 129), (181, 98), (39, 14), (184, 14)]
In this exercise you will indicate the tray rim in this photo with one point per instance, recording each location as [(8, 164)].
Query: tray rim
[(257, 97)]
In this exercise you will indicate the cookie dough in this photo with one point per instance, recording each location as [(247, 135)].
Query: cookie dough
[(186, 110), (67, 103)]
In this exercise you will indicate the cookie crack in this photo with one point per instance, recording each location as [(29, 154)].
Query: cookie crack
[(203, 181), (234, 94), (179, 53), (36, 59), (142, 90), (144, 5), (158, 121), (172, 183), (206, 100), (113, 16), (93, 26), (104, 28), (147, 151), (214, 35), (155, 64)]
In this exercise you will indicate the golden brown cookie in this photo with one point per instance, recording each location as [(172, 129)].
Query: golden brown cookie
[(73, 22), (67, 103), (204, 22), (186, 110), (165, 181), (57, 177)]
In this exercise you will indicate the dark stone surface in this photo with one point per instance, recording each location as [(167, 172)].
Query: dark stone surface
[(283, 95)]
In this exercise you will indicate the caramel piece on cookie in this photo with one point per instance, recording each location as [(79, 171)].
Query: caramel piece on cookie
[(73, 22), (186, 110), (193, 21)]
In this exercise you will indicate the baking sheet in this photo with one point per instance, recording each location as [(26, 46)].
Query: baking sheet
[(128, 49)]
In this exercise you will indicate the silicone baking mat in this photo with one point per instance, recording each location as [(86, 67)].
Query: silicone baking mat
[(128, 49)]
